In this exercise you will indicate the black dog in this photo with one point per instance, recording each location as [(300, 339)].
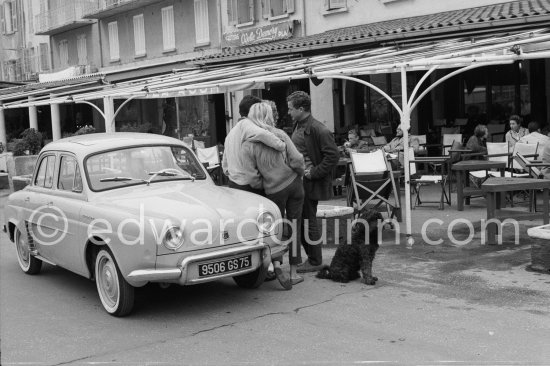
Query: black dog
[(349, 259)]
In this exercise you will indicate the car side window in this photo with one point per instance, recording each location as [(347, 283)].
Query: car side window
[(44, 177), (69, 175)]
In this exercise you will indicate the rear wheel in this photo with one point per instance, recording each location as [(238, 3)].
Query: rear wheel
[(252, 279), (117, 295), (28, 263)]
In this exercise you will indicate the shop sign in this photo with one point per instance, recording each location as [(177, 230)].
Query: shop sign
[(268, 33)]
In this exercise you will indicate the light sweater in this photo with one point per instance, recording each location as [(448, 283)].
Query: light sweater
[(237, 165), (278, 169)]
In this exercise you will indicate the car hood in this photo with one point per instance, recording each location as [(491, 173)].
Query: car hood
[(198, 207)]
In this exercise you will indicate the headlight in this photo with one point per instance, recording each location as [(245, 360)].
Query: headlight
[(266, 222), (173, 239)]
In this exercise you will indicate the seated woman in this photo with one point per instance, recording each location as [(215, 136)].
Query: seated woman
[(354, 143), (396, 145), (477, 143)]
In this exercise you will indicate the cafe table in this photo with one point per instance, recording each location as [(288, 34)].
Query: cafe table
[(496, 188), (463, 189)]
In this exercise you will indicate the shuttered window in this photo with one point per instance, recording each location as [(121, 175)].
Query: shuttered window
[(168, 33), (275, 8), (9, 17), (202, 31), (139, 35), (240, 11), (81, 49), (335, 4), (44, 57), (63, 53), (114, 54)]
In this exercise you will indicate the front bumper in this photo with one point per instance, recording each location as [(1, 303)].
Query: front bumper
[(186, 271)]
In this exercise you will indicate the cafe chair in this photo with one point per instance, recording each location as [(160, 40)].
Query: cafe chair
[(371, 184), (447, 141), (210, 158), (379, 140), (534, 169), (418, 181), (496, 132), (527, 151), (496, 151)]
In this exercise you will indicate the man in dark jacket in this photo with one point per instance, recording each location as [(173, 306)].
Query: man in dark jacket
[(316, 143)]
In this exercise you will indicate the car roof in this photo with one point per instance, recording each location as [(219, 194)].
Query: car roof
[(89, 143)]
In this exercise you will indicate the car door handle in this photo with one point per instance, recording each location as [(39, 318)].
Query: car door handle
[(28, 199), (50, 203)]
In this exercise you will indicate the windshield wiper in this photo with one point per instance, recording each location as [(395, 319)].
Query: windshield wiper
[(121, 179), (169, 172)]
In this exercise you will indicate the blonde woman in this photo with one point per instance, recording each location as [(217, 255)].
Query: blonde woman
[(282, 179)]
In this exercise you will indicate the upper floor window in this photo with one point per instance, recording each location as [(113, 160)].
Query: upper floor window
[(64, 53), (335, 4), (202, 31), (277, 8), (113, 41), (81, 49), (8, 16), (168, 33), (240, 12), (139, 35), (44, 56)]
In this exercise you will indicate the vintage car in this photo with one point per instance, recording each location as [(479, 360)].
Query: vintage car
[(126, 209)]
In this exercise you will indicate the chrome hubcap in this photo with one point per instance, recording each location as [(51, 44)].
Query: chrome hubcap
[(23, 251), (108, 281)]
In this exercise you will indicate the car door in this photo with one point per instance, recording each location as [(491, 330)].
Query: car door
[(66, 247), (36, 205)]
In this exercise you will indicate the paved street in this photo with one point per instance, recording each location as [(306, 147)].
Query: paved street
[(432, 304)]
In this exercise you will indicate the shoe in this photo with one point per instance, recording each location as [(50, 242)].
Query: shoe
[(296, 280), (308, 267), (270, 276), (283, 279)]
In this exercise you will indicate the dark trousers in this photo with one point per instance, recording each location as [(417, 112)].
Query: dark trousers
[(247, 188), (290, 201), (309, 215)]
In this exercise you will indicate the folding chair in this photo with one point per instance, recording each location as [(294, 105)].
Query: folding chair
[(496, 151), (210, 158), (379, 140), (447, 141), (417, 181), (496, 132), (421, 143), (534, 170), (188, 141), (371, 183), (528, 151)]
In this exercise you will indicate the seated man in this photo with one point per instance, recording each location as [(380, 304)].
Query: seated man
[(535, 136), (478, 141), (396, 145), (354, 143)]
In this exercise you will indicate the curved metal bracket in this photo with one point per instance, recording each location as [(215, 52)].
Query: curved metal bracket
[(93, 105), (121, 106), (366, 83)]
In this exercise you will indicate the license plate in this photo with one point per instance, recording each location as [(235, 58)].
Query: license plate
[(226, 265)]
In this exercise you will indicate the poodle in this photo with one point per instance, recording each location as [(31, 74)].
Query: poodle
[(349, 259)]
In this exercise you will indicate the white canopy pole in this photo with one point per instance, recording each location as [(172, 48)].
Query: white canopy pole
[(405, 125)]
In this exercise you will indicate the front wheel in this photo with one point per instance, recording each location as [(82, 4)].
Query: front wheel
[(28, 263), (252, 279), (117, 295)]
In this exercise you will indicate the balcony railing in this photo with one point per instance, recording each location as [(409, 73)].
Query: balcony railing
[(64, 17), (104, 8)]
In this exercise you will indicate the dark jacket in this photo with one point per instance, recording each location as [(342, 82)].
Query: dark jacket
[(324, 155)]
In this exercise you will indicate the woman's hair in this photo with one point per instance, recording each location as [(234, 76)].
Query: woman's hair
[(273, 109), (516, 118), (262, 115), (480, 130)]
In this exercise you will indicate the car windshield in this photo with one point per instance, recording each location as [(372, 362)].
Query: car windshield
[(136, 165)]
